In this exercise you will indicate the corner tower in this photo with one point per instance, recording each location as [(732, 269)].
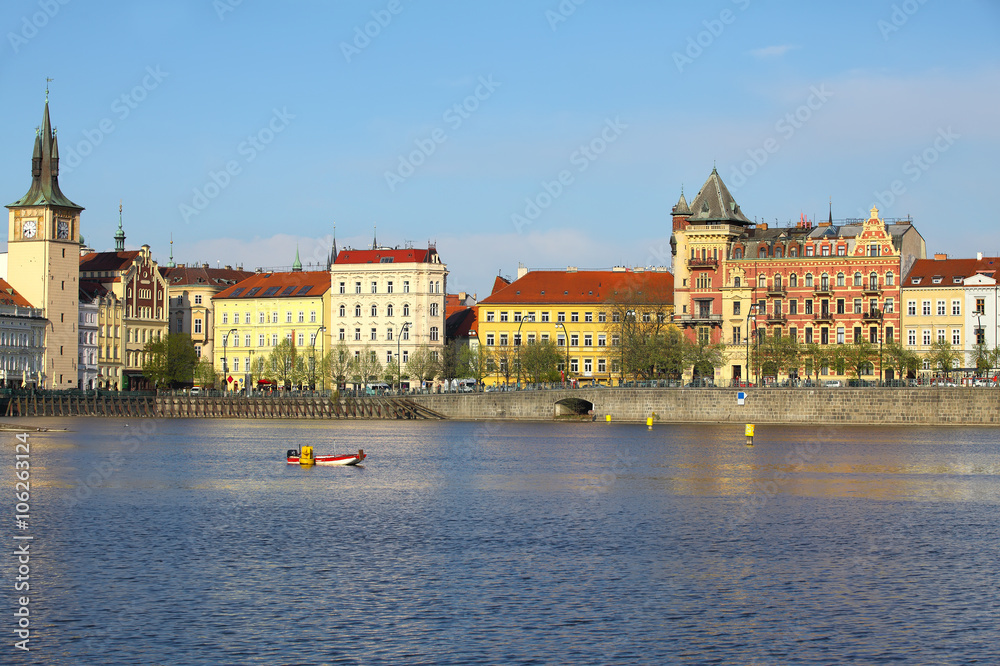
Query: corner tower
[(43, 258)]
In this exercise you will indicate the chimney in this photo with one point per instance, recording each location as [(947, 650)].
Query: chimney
[(571, 269), (522, 270), (229, 268), (762, 226), (204, 265), (462, 296), (979, 256), (940, 257)]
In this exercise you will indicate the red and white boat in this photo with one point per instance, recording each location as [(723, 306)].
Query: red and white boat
[(293, 458)]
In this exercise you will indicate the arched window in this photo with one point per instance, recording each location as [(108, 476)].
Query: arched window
[(388, 310), (793, 251), (736, 282), (761, 281), (809, 280), (762, 252), (778, 252), (857, 279), (406, 309), (793, 280), (343, 310), (374, 310), (824, 281), (738, 253), (434, 309), (873, 281), (840, 279), (889, 280), (357, 310), (777, 282)]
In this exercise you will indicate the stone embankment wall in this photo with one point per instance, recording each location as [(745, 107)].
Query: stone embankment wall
[(928, 406)]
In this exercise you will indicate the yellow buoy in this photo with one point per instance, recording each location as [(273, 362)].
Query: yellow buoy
[(306, 457), (649, 422), (749, 434), (607, 418)]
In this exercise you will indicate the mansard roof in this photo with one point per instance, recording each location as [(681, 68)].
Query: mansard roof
[(714, 203)]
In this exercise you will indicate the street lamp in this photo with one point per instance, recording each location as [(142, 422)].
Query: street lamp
[(225, 368), (751, 315), (312, 369), (399, 359), (561, 325), (517, 339)]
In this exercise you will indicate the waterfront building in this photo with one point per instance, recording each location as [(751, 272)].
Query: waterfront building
[(460, 319), (828, 284), (578, 310), (22, 339), (110, 332), (389, 301), (87, 366), (253, 316), (42, 258), (134, 278), (189, 293), (953, 301)]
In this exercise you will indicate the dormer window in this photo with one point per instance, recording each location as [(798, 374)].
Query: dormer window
[(958, 280), (936, 279), (916, 280)]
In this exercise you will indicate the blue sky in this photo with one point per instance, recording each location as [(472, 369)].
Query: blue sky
[(246, 129)]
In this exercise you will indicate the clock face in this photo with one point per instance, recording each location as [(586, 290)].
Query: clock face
[(29, 228), (63, 229)]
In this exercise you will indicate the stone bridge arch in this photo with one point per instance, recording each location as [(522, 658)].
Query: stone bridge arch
[(573, 407)]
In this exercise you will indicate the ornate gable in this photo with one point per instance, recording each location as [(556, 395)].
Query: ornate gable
[(874, 235)]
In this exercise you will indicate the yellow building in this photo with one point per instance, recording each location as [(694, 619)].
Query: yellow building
[(575, 309), (189, 291), (251, 317)]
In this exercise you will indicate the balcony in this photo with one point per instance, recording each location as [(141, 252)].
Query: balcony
[(823, 291), (871, 315), (825, 316), (777, 292), (871, 290), (776, 318), (703, 263), (698, 319)]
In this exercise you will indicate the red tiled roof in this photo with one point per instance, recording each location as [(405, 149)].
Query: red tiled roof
[(107, 261), (285, 285), (583, 287), (91, 289), (9, 296), (927, 270), (460, 323), (377, 256), (499, 283)]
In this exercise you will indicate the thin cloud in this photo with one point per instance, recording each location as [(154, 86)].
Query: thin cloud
[(773, 51)]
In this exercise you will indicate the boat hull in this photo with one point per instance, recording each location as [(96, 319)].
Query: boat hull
[(351, 459)]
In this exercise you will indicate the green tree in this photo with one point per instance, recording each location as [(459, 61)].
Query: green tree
[(421, 366), (982, 357), (338, 363), (859, 355), (171, 360), (475, 361), (367, 366), (943, 356), (774, 355), (449, 362), (540, 360), (505, 358), (818, 356), (705, 357), (205, 375), (282, 362), (900, 359)]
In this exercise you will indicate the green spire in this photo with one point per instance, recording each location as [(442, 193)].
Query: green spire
[(297, 266), (120, 234)]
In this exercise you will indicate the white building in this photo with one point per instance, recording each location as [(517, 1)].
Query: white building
[(982, 312), (87, 368), (388, 299), (22, 340)]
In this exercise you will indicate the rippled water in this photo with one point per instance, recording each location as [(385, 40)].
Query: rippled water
[(461, 543)]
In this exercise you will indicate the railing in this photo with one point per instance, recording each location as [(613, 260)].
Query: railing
[(871, 315), (695, 318), (823, 290), (779, 292), (871, 290), (823, 316), (703, 263), (776, 318)]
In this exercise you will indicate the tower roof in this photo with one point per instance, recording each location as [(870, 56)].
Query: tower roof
[(714, 203), (44, 189), (682, 207)]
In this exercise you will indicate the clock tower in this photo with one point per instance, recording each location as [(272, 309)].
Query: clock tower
[(43, 258)]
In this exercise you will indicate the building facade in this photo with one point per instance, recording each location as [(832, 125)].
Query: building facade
[(740, 282), (253, 316), (110, 333), (389, 301), (22, 340), (42, 258), (87, 365), (578, 310), (189, 292)]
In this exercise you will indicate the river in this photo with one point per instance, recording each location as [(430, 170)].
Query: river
[(192, 542)]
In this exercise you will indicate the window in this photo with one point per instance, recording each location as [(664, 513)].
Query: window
[(809, 250), (302, 339), (406, 309), (890, 279), (889, 306), (840, 279), (825, 251), (824, 336), (602, 340), (236, 364), (588, 340), (274, 339), (602, 317), (545, 317), (574, 365), (888, 334), (343, 310), (942, 308), (809, 280), (388, 333), (302, 317), (857, 280), (246, 340), (574, 317), (357, 287), (793, 307), (357, 310), (374, 333), (761, 281), (980, 336), (225, 317), (288, 317), (434, 309), (489, 339), (374, 310), (736, 282), (197, 325), (793, 280), (857, 306), (406, 286), (927, 308), (588, 316), (574, 340), (873, 250), (840, 306), (560, 340), (405, 334), (841, 250), (388, 287), (956, 337), (956, 308), (927, 337), (911, 337), (388, 310), (857, 334), (374, 287), (490, 316), (503, 316), (236, 338), (434, 333), (406, 356), (343, 333), (343, 287), (357, 333), (840, 335), (980, 306), (561, 316), (736, 308)]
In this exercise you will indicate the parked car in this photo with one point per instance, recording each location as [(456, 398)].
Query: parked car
[(832, 383), (197, 390)]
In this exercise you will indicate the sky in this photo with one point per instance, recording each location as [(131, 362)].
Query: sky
[(548, 133)]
